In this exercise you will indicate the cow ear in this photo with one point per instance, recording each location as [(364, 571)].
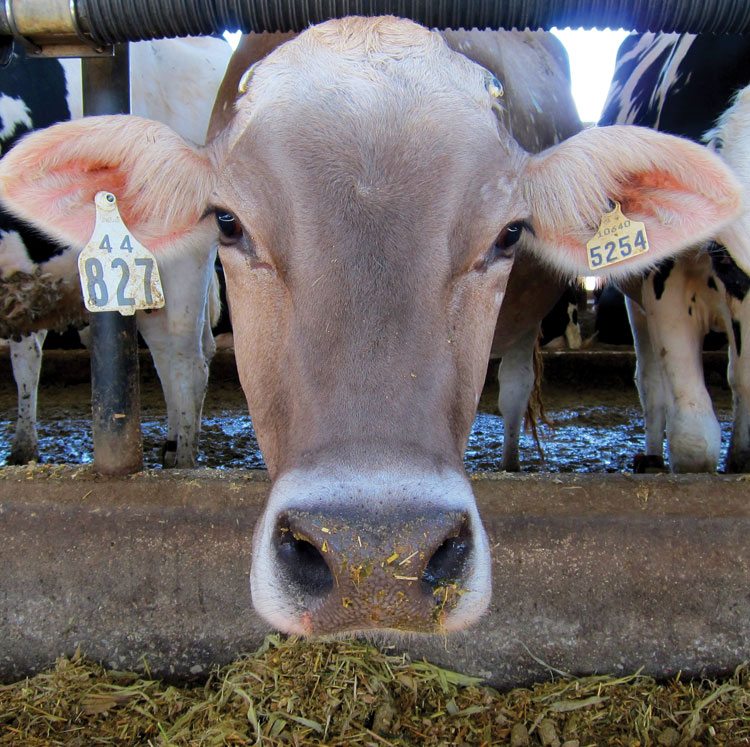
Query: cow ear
[(161, 182), (678, 189)]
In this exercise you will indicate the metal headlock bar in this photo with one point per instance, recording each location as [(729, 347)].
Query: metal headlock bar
[(99, 23), (115, 392)]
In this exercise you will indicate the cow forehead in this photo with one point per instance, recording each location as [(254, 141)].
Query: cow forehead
[(366, 122), (365, 57)]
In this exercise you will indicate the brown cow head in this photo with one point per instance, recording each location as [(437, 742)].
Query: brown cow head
[(369, 205)]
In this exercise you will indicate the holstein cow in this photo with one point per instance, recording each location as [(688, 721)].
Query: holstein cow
[(370, 198), (561, 328), (173, 81), (33, 270), (681, 84)]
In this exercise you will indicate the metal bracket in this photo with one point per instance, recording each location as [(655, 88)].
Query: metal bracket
[(17, 35), (59, 35), (94, 50)]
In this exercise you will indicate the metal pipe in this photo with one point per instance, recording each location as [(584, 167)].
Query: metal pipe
[(46, 25), (115, 394), (102, 22)]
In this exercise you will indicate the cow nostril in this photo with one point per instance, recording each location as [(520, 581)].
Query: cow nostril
[(448, 563), (302, 563)]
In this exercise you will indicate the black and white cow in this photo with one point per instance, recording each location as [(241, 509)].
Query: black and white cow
[(34, 271), (561, 328), (173, 81), (683, 84)]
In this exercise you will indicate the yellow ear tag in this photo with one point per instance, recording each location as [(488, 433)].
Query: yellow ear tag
[(117, 272), (617, 239)]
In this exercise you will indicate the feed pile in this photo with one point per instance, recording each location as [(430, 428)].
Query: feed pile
[(294, 692)]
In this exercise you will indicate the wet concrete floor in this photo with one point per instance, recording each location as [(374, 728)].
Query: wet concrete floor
[(595, 425)]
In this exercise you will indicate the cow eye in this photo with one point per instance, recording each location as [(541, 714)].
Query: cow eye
[(228, 225), (504, 243)]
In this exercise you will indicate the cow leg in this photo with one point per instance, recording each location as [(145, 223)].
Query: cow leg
[(516, 380), (26, 361), (738, 457), (652, 391), (677, 327), (154, 328), (211, 315), (176, 336)]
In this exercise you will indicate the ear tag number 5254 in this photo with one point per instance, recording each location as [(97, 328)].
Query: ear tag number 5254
[(117, 273), (617, 239)]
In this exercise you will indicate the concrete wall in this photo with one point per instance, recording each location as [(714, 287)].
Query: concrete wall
[(592, 573)]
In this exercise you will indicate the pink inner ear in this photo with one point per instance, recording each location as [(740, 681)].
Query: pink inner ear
[(675, 211), (81, 187), (675, 214), (566, 242), (65, 196), (658, 179), (653, 192), (162, 183)]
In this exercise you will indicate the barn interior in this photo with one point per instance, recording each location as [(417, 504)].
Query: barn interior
[(596, 569)]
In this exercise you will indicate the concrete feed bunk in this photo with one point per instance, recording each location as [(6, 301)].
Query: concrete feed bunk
[(590, 573)]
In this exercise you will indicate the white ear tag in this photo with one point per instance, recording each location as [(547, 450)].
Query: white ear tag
[(117, 273), (617, 239)]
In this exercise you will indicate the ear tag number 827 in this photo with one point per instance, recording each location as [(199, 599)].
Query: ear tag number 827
[(617, 239), (117, 273)]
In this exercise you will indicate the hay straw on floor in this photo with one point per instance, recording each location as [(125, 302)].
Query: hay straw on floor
[(348, 693)]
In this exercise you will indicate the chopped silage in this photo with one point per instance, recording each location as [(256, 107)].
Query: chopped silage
[(294, 692)]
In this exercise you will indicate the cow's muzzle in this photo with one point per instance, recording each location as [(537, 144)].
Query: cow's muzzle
[(389, 560)]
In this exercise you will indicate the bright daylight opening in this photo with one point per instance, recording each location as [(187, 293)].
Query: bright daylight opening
[(592, 61)]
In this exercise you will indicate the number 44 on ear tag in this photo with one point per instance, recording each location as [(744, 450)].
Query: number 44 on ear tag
[(617, 239), (117, 273)]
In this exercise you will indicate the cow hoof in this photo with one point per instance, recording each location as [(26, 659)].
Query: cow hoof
[(22, 454), (169, 454), (648, 464)]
